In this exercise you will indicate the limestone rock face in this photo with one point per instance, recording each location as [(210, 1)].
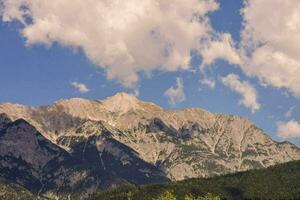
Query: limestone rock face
[(95, 161), (136, 141)]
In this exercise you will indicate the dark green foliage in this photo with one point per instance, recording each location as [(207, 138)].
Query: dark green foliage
[(278, 182), (9, 191)]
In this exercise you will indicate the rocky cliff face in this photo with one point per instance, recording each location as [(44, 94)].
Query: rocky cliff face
[(95, 162), (139, 142)]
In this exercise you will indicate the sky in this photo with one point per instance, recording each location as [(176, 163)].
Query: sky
[(225, 56)]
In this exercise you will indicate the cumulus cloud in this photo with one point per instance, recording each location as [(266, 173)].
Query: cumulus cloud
[(80, 87), (245, 89), (271, 42), (220, 48), (124, 37), (208, 82), (290, 129), (290, 112), (176, 93)]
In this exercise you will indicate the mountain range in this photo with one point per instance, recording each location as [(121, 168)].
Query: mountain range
[(78, 147)]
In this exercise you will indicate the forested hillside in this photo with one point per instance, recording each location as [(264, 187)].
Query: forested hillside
[(278, 182)]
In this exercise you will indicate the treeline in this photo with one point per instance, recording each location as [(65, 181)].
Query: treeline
[(166, 195), (278, 182)]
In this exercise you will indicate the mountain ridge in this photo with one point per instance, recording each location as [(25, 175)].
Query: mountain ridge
[(176, 145)]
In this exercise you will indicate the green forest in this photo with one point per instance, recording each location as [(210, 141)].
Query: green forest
[(277, 182)]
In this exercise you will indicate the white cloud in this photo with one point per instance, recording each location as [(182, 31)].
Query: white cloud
[(124, 37), (176, 93), (289, 129), (290, 112), (82, 88), (245, 89), (221, 48), (208, 82), (271, 42)]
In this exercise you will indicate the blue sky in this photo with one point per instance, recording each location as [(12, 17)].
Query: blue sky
[(39, 74)]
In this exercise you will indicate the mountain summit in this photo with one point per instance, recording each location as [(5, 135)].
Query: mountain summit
[(95, 144), (122, 102), (119, 103)]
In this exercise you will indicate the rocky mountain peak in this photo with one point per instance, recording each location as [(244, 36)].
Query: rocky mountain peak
[(15, 111), (121, 102), (72, 102)]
